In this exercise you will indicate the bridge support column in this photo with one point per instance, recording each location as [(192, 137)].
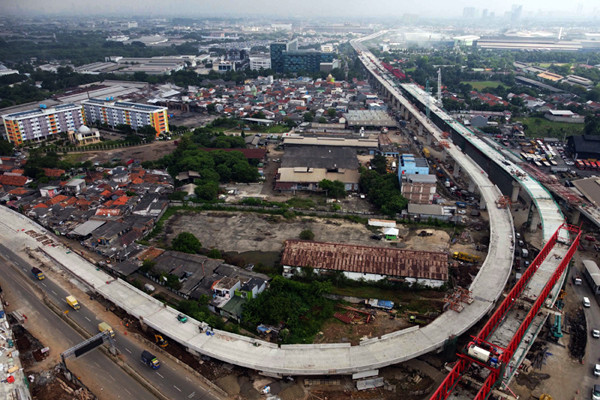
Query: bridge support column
[(482, 203), (420, 130), (471, 187), (514, 197), (428, 139), (575, 216), (456, 173), (443, 155), (535, 220)]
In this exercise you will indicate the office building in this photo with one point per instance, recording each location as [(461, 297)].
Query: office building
[(42, 123), (115, 113), (278, 49), (258, 62)]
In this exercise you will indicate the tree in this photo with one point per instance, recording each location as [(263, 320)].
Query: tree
[(592, 125), (148, 131), (379, 164), (335, 189), (307, 234), (322, 120), (211, 108), (309, 116), (332, 112), (186, 243), (6, 148), (214, 253), (207, 191)]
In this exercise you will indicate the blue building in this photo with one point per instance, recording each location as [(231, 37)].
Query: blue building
[(285, 57), (411, 165)]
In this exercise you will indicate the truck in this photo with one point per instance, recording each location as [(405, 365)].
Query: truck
[(104, 327), (39, 275), (480, 354), (524, 253), (150, 360), (461, 204), (72, 301), (383, 304), (459, 255)]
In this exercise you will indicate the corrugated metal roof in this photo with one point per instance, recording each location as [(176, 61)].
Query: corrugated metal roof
[(366, 259)]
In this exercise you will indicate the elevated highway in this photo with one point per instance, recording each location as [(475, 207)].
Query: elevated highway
[(324, 359)]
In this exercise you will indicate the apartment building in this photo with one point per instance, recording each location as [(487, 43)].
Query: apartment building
[(42, 123), (115, 113)]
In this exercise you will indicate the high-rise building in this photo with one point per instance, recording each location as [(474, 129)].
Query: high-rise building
[(277, 51), (469, 12), (42, 123), (285, 57), (135, 115)]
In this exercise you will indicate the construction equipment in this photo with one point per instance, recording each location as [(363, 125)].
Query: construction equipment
[(160, 341), (503, 202), (459, 255)]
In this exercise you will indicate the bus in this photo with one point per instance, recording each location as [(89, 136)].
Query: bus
[(587, 164), (579, 164), (554, 163), (546, 164), (594, 165), (537, 163)]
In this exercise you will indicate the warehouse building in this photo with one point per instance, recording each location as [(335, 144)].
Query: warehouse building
[(366, 263)]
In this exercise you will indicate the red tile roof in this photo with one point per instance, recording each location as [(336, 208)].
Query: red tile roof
[(53, 172), (41, 205), (19, 191), (56, 199), (13, 180), (365, 259)]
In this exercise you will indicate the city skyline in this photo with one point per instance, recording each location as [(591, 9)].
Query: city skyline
[(333, 8)]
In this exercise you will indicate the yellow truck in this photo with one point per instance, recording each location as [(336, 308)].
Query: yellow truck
[(72, 301), (104, 327), (459, 255)]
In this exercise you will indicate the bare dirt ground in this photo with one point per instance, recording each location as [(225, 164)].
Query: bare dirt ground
[(147, 152), (336, 331), (243, 231)]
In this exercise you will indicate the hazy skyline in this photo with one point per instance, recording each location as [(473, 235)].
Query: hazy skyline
[(288, 8)]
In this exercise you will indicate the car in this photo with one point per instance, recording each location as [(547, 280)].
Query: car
[(182, 318), (376, 237), (462, 212), (596, 392), (586, 302), (595, 333), (597, 370)]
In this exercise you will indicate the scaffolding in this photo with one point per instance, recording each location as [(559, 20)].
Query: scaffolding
[(455, 299), (503, 202)]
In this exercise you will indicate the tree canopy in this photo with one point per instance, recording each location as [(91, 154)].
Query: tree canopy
[(335, 189), (383, 191), (186, 243)]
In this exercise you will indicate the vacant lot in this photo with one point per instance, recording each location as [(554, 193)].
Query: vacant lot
[(147, 152), (541, 127), (241, 232), (480, 85)]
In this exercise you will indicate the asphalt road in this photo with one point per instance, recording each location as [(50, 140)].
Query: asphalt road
[(170, 379), (592, 316), (106, 373)]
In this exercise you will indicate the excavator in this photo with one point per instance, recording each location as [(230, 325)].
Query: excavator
[(160, 341)]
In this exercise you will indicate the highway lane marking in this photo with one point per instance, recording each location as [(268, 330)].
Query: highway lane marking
[(129, 351), (54, 292), (97, 365), (158, 373), (128, 391), (43, 284), (89, 320), (191, 395), (112, 377), (176, 388)]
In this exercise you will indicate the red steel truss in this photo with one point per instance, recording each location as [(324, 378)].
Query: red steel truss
[(463, 364)]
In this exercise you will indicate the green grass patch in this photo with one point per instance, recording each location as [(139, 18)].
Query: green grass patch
[(72, 158), (480, 85), (541, 127)]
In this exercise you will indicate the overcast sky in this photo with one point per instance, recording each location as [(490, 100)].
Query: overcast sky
[(291, 8)]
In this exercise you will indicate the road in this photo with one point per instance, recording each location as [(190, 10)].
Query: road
[(107, 374), (171, 380), (592, 353)]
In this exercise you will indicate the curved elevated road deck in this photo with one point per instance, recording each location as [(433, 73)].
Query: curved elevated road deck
[(326, 359)]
